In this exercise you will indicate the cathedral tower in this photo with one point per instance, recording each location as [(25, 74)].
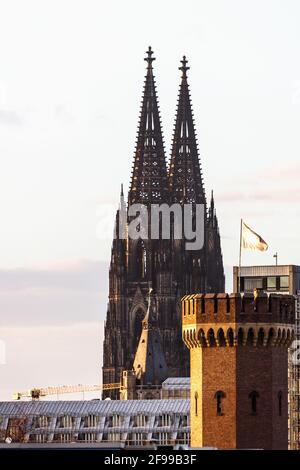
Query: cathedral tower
[(160, 263)]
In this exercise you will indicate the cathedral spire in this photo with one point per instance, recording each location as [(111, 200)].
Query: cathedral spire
[(149, 173), (215, 270), (212, 216), (122, 205), (212, 205), (185, 178)]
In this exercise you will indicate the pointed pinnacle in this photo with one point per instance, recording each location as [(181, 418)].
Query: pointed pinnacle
[(184, 68), (149, 59)]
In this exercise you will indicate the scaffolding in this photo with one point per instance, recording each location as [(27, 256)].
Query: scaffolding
[(294, 383)]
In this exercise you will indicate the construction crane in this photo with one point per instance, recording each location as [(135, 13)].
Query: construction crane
[(37, 393)]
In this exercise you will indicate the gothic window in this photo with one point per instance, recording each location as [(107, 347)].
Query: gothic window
[(219, 395), (141, 259), (253, 397)]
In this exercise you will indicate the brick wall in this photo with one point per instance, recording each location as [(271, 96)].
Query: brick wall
[(237, 367)]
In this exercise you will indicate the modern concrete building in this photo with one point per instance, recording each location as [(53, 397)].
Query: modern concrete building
[(275, 279), (176, 387), (105, 422)]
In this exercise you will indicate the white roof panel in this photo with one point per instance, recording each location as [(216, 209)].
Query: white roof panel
[(101, 407)]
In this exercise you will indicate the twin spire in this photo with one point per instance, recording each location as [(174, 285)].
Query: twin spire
[(185, 178), (150, 181)]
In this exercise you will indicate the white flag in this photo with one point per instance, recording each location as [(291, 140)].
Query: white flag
[(251, 240)]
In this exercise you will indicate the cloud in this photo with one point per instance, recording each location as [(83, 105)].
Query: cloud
[(63, 113), (230, 196), (39, 357), (291, 194), (10, 117), (290, 171), (82, 275), (57, 295), (52, 325), (278, 184), (267, 194)]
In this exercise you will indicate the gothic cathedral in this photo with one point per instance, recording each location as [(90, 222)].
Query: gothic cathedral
[(165, 265)]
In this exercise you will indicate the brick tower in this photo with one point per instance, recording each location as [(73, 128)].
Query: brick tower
[(239, 379)]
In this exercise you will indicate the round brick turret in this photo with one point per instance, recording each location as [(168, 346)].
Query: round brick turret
[(239, 380)]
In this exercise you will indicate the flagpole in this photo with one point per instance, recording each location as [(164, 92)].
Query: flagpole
[(240, 258)]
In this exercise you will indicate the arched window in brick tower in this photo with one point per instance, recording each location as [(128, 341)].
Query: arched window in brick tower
[(253, 397), (280, 403), (196, 403), (219, 395)]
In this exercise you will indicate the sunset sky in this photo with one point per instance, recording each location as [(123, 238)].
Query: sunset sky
[(71, 78)]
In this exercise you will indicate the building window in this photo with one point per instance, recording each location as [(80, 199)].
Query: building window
[(40, 421), (90, 421), (284, 282), (253, 397), (271, 283), (219, 395), (280, 403), (196, 403), (251, 283), (65, 421), (165, 420), (116, 420)]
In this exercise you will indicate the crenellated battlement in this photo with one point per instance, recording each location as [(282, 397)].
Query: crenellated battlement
[(229, 320), (210, 308)]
